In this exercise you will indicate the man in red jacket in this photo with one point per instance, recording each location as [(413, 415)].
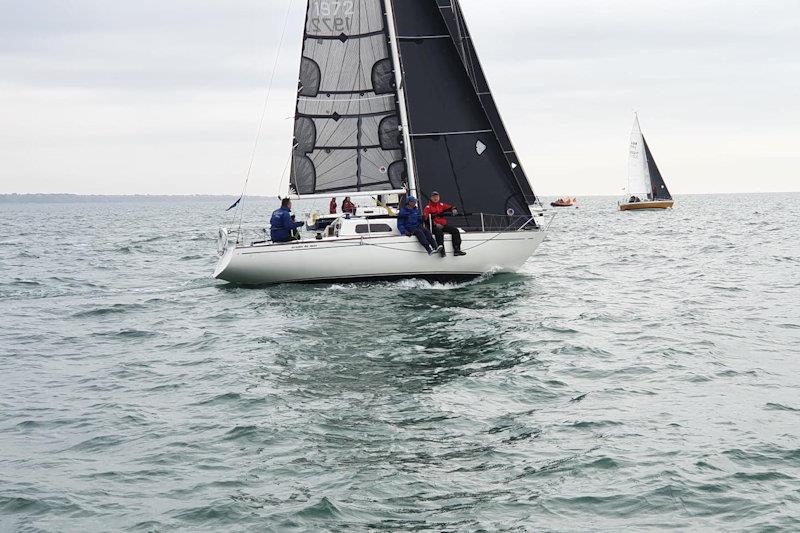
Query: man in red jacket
[(437, 209)]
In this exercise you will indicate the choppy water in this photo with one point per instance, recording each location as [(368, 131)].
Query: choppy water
[(641, 371)]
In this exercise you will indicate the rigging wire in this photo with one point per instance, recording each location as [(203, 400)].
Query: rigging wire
[(261, 120)]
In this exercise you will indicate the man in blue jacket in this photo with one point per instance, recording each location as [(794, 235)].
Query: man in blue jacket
[(281, 224), (409, 222)]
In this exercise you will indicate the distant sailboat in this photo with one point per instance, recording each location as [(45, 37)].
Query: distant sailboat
[(646, 186)]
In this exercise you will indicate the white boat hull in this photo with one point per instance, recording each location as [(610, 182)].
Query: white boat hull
[(375, 257)]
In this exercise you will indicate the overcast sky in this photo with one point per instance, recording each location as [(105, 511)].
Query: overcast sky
[(164, 96)]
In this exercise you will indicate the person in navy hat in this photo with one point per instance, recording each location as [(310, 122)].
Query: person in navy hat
[(409, 222)]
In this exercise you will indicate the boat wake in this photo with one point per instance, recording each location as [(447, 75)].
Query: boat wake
[(413, 284)]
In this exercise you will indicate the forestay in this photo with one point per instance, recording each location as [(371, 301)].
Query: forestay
[(347, 136)]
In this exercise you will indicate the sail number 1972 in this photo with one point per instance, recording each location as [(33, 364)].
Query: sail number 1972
[(331, 15), (326, 8)]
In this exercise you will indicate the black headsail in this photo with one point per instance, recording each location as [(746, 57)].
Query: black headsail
[(659, 188), (459, 32), (346, 134), (457, 150)]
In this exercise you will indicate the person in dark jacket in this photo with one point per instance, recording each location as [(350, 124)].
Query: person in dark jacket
[(333, 206), (409, 222), (348, 206), (282, 224), (436, 210)]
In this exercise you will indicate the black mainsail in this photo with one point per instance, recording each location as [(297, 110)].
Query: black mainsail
[(455, 144), (346, 134)]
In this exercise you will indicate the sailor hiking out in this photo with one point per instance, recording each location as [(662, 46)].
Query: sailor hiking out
[(409, 222), (436, 209)]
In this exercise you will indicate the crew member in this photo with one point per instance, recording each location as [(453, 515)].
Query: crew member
[(333, 206), (409, 222), (436, 209), (348, 206), (282, 224)]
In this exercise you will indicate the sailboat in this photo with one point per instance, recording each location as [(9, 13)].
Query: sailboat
[(393, 102), (646, 186)]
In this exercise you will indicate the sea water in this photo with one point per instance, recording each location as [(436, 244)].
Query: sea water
[(640, 371)]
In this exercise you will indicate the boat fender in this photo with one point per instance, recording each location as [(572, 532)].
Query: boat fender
[(222, 241)]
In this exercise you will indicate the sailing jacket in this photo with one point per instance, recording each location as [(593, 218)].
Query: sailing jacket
[(281, 225), (437, 208), (408, 220)]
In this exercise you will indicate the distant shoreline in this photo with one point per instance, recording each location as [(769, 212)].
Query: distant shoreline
[(77, 198)]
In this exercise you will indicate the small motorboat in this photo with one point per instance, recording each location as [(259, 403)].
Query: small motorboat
[(564, 202)]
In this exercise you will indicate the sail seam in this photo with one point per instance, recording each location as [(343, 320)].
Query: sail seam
[(420, 37), (340, 116), (359, 147), (436, 134), (313, 98), (344, 36)]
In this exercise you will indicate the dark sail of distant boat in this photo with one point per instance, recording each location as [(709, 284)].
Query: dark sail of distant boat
[(657, 185)]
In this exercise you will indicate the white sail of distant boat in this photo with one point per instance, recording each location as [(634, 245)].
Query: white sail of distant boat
[(646, 187), (392, 100)]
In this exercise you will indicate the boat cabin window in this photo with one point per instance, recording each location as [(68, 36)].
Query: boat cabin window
[(373, 228)]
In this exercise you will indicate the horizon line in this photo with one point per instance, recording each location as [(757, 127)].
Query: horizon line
[(233, 195)]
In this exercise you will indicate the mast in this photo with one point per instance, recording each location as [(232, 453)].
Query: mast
[(391, 24)]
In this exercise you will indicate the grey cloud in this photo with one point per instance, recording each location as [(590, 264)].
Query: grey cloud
[(716, 82)]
